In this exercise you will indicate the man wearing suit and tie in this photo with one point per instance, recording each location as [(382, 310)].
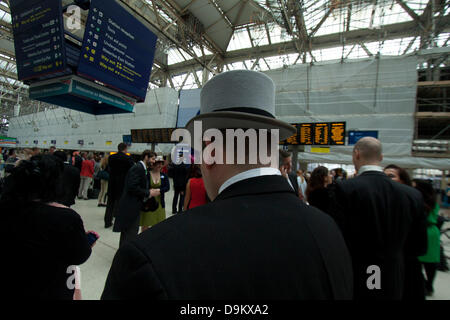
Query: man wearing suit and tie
[(135, 191), (382, 221), (255, 240)]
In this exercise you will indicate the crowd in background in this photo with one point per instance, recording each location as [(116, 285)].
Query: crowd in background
[(54, 179)]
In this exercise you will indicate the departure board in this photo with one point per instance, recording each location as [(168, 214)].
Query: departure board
[(38, 37), (320, 134), (118, 50), (293, 140), (306, 134), (337, 133), (162, 135), (354, 136)]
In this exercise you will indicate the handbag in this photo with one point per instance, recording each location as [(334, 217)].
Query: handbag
[(150, 205), (103, 175)]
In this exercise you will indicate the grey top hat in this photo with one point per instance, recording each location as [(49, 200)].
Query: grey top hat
[(240, 99)]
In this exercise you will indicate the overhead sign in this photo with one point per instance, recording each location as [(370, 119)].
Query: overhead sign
[(38, 37), (318, 134), (320, 150), (80, 94), (118, 50), (354, 136), (152, 135), (6, 142)]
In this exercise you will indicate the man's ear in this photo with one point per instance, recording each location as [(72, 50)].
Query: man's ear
[(357, 154), (213, 154)]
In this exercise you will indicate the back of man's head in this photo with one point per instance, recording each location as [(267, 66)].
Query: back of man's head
[(367, 151), (60, 155), (122, 147)]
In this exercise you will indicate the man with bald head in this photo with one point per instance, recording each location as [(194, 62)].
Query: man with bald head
[(382, 222)]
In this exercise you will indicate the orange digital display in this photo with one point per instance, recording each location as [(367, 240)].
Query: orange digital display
[(337, 133), (318, 134), (292, 140), (321, 134), (162, 135)]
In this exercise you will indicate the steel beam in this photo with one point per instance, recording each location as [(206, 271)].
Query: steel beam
[(389, 32)]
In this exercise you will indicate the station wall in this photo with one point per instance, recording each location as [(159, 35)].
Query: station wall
[(101, 133)]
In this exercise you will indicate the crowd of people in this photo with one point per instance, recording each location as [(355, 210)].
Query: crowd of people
[(238, 231)]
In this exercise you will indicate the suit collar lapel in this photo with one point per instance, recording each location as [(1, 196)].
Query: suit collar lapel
[(257, 185)]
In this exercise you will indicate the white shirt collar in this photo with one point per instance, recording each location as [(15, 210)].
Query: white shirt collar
[(369, 168), (252, 173), (145, 167)]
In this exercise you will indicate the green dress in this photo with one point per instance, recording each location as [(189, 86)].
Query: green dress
[(434, 238), (153, 217)]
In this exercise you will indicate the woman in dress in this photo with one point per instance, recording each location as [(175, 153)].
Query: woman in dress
[(103, 175), (317, 193), (160, 182), (195, 190), (301, 185)]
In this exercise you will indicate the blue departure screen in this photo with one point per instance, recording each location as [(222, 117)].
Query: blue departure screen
[(354, 136), (118, 50), (38, 37)]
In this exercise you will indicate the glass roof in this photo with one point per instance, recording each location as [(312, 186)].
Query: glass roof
[(279, 25)]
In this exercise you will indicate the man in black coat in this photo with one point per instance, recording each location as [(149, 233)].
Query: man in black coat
[(70, 181), (135, 191), (382, 222), (179, 173), (118, 164), (256, 240)]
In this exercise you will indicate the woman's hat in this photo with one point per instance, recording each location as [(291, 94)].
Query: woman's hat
[(159, 159), (240, 99)]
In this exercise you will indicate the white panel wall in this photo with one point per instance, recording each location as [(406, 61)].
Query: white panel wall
[(370, 94), (100, 133)]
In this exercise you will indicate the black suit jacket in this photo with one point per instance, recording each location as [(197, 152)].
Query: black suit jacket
[(256, 240), (50, 239), (382, 221), (119, 164), (135, 190), (293, 178)]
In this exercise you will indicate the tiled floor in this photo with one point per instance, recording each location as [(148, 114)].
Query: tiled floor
[(95, 270)]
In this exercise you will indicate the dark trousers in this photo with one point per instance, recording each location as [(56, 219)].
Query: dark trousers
[(129, 233), (177, 192), (430, 271), (414, 288), (111, 211)]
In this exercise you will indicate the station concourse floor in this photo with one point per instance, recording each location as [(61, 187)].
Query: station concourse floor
[(95, 270)]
